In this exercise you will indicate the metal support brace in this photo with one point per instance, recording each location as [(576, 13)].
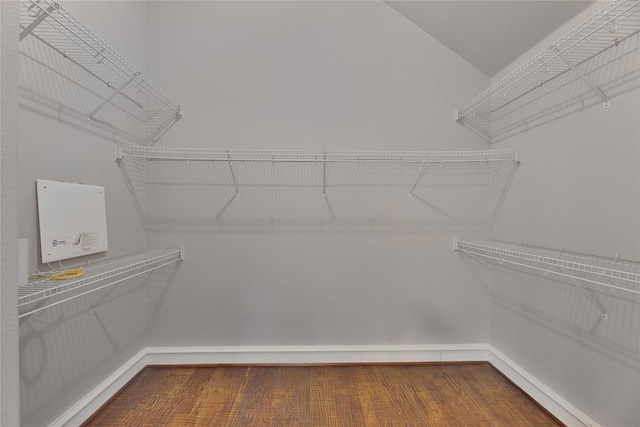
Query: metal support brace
[(41, 17), (415, 182), (495, 210), (603, 312), (584, 78), (233, 175), (108, 100), (324, 176)]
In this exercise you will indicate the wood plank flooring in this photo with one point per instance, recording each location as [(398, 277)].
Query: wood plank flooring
[(358, 395)]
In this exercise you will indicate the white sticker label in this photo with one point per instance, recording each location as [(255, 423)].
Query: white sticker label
[(86, 242)]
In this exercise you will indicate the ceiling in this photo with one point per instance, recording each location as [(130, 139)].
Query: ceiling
[(489, 34)]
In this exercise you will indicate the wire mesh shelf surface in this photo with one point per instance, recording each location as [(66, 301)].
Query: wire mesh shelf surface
[(573, 60), (102, 275), (321, 189), (611, 273), (124, 86), (319, 156)]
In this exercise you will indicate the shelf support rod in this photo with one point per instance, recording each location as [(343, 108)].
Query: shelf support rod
[(108, 100), (584, 78), (603, 313), (415, 182), (41, 17), (324, 176), (576, 282), (233, 175)]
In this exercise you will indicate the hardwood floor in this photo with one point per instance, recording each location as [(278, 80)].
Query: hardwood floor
[(359, 395)]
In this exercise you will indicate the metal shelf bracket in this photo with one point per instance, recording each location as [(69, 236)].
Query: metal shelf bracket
[(418, 176), (110, 97), (233, 175), (584, 78), (40, 16), (324, 176)]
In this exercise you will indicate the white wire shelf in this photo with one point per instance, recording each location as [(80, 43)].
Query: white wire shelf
[(610, 273), (37, 296), (574, 64), (182, 186), (124, 86), (421, 159), (319, 156)]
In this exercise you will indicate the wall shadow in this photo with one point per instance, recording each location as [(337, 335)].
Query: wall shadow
[(555, 303), (85, 339)]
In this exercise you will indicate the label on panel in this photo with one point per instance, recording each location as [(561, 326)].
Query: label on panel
[(73, 220)]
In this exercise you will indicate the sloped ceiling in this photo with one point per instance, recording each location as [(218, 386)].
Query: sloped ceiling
[(489, 34)]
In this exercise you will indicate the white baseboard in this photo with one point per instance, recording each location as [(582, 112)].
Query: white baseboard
[(555, 404), (89, 404), (547, 398), (315, 354)]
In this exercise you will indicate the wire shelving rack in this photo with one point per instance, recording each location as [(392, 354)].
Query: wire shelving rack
[(42, 294), (313, 156), (608, 273), (124, 87), (420, 159), (576, 66)]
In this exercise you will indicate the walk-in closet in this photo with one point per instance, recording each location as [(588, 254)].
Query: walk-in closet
[(284, 188)]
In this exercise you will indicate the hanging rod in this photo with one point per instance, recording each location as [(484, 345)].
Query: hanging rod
[(321, 156), (104, 274)]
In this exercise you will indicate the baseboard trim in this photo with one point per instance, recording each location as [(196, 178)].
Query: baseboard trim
[(547, 398), (315, 354), (88, 405), (324, 354)]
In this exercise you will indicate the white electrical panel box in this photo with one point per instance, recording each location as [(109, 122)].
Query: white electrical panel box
[(73, 220)]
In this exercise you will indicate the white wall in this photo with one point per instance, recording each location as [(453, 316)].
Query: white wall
[(578, 188), (65, 351), (278, 270), (9, 399)]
